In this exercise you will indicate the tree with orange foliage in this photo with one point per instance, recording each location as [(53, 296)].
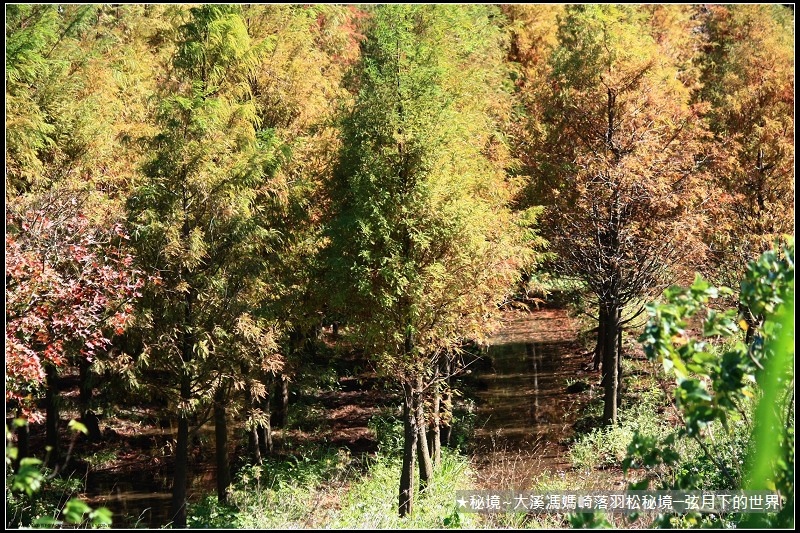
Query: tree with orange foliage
[(624, 184), (748, 76)]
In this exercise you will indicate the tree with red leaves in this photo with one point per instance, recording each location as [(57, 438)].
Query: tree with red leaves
[(69, 290)]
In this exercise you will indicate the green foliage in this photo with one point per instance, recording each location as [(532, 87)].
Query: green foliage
[(388, 430), (29, 477), (291, 492), (209, 513), (771, 459), (463, 422), (198, 212), (216, 126), (589, 521), (35, 498), (368, 504), (421, 241), (281, 493), (714, 387), (56, 123)]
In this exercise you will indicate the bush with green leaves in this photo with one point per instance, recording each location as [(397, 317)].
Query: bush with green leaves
[(388, 430), (35, 496), (279, 493), (369, 503), (740, 394), (295, 492)]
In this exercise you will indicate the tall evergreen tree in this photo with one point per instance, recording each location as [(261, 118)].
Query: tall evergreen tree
[(197, 219), (422, 244)]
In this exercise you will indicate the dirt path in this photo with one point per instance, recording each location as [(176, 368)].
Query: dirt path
[(525, 414)]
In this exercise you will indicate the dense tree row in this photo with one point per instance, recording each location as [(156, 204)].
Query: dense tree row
[(191, 191)]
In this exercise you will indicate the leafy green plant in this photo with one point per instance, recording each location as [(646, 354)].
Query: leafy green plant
[(280, 493), (388, 429), (101, 458), (715, 388), (208, 512), (463, 423), (370, 502), (34, 497)]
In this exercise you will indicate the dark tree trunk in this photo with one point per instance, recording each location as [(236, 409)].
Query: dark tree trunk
[(752, 321), (265, 429), (425, 464), (23, 444), (406, 503), (610, 368), (602, 329), (282, 394), (52, 416), (88, 418), (178, 509), (221, 435)]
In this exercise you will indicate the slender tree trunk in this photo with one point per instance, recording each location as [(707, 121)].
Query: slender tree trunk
[(265, 429), (253, 448), (406, 503), (751, 321), (178, 509), (610, 369), (425, 464), (221, 435), (602, 329), (447, 404), (51, 399), (436, 432), (282, 393), (88, 417)]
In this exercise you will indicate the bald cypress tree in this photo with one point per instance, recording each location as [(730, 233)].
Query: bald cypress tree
[(420, 247), (625, 176), (198, 221)]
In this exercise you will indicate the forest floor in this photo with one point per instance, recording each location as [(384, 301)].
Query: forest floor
[(526, 414), (516, 395)]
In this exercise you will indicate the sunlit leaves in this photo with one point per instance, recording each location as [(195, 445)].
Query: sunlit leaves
[(748, 80), (422, 242), (714, 383), (201, 212), (69, 289)]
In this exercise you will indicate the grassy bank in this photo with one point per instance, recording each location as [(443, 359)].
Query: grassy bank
[(331, 489)]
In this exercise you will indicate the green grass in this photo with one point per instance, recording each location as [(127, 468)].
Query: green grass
[(371, 501), (279, 493), (328, 490), (607, 446), (101, 458)]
